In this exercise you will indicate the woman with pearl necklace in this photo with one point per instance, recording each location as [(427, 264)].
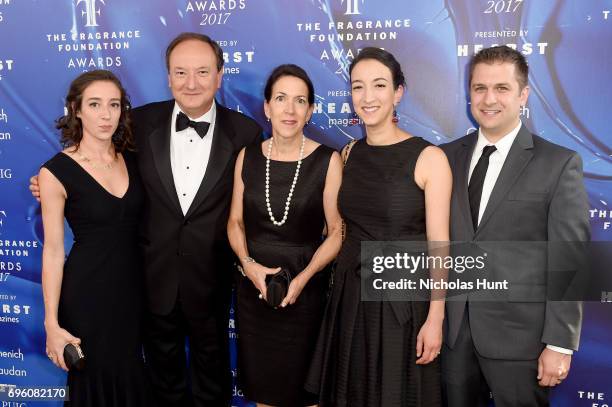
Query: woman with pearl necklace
[(285, 196)]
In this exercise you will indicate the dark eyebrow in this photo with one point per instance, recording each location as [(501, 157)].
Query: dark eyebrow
[(97, 99), (376, 79), (280, 92), (495, 85), (199, 67)]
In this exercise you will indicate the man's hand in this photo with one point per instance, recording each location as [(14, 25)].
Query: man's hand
[(553, 367), (34, 187)]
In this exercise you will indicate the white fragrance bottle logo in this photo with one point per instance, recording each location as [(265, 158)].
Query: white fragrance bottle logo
[(352, 7), (91, 11)]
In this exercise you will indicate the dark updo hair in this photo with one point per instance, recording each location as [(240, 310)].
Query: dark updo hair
[(384, 57), (502, 54), (289, 70), (71, 126)]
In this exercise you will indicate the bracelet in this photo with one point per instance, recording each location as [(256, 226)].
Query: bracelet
[(248, 259), (245, 260)]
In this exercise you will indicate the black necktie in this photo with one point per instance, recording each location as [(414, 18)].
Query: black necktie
[(477, 181), (182, 122)]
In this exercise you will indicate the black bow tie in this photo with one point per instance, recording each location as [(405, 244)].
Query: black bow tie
[(182, 122)]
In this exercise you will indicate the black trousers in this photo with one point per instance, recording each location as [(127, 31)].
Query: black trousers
[(468, 378), (204, 379)]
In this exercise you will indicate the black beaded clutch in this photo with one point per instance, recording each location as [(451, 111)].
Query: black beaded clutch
[(74, 357), (277, 286)]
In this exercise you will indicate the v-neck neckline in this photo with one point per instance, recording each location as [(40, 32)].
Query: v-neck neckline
[(98, 183)]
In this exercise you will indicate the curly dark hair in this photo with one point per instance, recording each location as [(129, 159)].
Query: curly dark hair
[(71, 126)]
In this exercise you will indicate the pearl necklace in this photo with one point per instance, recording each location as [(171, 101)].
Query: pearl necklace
[(295, 178)]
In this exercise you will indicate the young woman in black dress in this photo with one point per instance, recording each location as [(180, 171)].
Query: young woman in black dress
[(395, 187), (285, 194), (93, 299)]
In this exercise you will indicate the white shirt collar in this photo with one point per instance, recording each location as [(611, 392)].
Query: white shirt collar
[(206, 117), (503, 145)]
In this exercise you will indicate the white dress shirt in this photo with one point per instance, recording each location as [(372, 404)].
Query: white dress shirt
[(496, 162), (189, 155)]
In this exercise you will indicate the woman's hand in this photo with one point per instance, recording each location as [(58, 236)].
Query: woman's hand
[(429, 341), (257, 274), (295, 289), (57, 339)]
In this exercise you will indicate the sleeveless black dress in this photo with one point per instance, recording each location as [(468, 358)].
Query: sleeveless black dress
[(275, 345), (365, 354), (101, 294)]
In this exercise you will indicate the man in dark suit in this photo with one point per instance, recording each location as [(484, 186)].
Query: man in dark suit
[(511, 186), (187, 148)]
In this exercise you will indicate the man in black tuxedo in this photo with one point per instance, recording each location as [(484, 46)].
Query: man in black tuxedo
[(187, 169), (512, 186)]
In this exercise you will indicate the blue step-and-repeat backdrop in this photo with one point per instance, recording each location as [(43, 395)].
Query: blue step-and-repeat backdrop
[(45, 44)]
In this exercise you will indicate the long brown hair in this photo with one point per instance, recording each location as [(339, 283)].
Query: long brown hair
[(71, 126)]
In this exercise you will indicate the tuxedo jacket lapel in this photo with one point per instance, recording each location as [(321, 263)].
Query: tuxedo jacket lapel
[(220, 155), (160, 147), (518, 157)]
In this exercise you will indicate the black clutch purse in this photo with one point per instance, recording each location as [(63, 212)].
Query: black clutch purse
[(277, 286), (74, 357)]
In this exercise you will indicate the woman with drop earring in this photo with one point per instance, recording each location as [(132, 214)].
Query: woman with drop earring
[(285, 195), (395, 187)]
